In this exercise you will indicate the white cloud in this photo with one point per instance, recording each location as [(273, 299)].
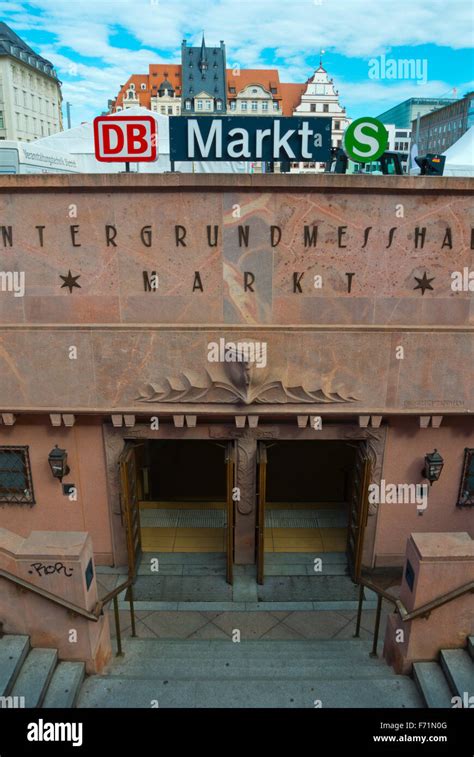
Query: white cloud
[(296, 28)]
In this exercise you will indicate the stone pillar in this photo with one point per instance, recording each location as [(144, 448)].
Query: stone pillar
[(246, 511), (61, 563), (435, 564)]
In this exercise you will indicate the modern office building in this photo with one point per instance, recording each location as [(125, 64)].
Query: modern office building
[(442, 128), (404, 113), (30, 91)]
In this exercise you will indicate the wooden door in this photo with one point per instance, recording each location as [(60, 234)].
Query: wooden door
[(358, 510), (129, 505), (261, 500), (230, 519)]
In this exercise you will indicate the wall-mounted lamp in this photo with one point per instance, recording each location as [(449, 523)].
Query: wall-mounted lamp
[(57, 460), (433, 466)]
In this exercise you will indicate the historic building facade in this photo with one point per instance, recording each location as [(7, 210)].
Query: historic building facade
[(321, 98), (298, 351), (202, 84), (30, 92)]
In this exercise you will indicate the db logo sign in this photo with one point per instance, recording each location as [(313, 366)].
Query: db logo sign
[(125, 139)]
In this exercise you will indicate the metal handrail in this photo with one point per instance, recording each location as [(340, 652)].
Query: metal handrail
[(443, 599), (422, 611), (76, 609), (47, 595)]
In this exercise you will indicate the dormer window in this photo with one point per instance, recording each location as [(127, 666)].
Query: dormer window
[(132, 86)]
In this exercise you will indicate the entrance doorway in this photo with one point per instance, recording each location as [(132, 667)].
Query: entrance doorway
[(312, 499), (177, 498)]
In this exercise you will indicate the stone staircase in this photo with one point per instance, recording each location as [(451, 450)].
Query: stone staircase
[(34, 677), (219, 673), (452, 675)]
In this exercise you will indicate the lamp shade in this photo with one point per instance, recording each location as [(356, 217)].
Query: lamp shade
[(57, 460), (433, 466)]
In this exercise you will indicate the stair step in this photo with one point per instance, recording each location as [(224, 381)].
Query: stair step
[(470, 646), (65, 685), (35, 675), (246, 669), (218, 649), (13, 650), (458, 668), (432, 684), (102, 692)]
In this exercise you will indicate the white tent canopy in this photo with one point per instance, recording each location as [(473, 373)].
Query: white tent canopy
[(79, 142), (460, 156)]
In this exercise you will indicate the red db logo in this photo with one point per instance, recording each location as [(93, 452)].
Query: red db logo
[(125, 138)]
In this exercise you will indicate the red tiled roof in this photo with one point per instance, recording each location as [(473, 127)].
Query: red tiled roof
[(291, 97), (288, 94)]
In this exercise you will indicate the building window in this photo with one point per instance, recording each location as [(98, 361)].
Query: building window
[(232, 90), (219, 104), (466, 488), (254, 105), (142, 86), (187, 105), (312, 108), (232, 105), (325, 108), (275, 105), (15, 476), (273, 90), (170, 110), (208, 105), (337, 125), (199, 104), (163, 109), (244, 104), (264, 105), (2, 125)]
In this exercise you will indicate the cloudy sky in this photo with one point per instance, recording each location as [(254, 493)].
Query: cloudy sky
[(96, 44)]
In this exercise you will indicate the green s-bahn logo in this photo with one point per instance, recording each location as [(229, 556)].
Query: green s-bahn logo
[(365, 139)]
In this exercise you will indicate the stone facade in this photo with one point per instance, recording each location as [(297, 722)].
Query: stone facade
[(346, 280)]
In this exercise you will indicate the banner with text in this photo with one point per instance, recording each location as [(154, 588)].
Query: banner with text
[(243, 138)]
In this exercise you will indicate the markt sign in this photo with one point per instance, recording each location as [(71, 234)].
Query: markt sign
[(242, 138)]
